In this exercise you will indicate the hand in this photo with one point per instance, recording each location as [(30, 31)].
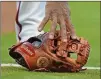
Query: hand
[(58, 12)]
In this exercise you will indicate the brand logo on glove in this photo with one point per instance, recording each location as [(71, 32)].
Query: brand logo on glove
[(27, 50)]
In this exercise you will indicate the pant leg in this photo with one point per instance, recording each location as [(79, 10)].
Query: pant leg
[(29, 17)]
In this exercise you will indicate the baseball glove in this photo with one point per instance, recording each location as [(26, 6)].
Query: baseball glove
[(42, 54)]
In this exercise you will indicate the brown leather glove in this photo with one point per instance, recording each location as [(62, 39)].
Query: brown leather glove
[(41, 54), (58, 12)]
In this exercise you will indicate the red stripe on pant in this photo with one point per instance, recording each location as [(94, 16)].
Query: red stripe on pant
[(17, 21)]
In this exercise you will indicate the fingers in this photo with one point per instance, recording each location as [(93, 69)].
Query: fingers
[(69, 24), (71, 29), (53, 27), (43, 23), (63, 29)]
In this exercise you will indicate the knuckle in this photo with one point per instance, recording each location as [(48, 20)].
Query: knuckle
[(63, 26), (54, 23)]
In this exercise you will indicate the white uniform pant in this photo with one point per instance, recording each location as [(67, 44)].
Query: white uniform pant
[(28, 18)]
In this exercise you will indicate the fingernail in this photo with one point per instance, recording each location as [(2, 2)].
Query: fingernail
[(74, 37), (39, 29), (64, 40), (51, 36)]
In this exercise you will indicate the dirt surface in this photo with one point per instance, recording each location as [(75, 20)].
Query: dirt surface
[(8, 13)]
